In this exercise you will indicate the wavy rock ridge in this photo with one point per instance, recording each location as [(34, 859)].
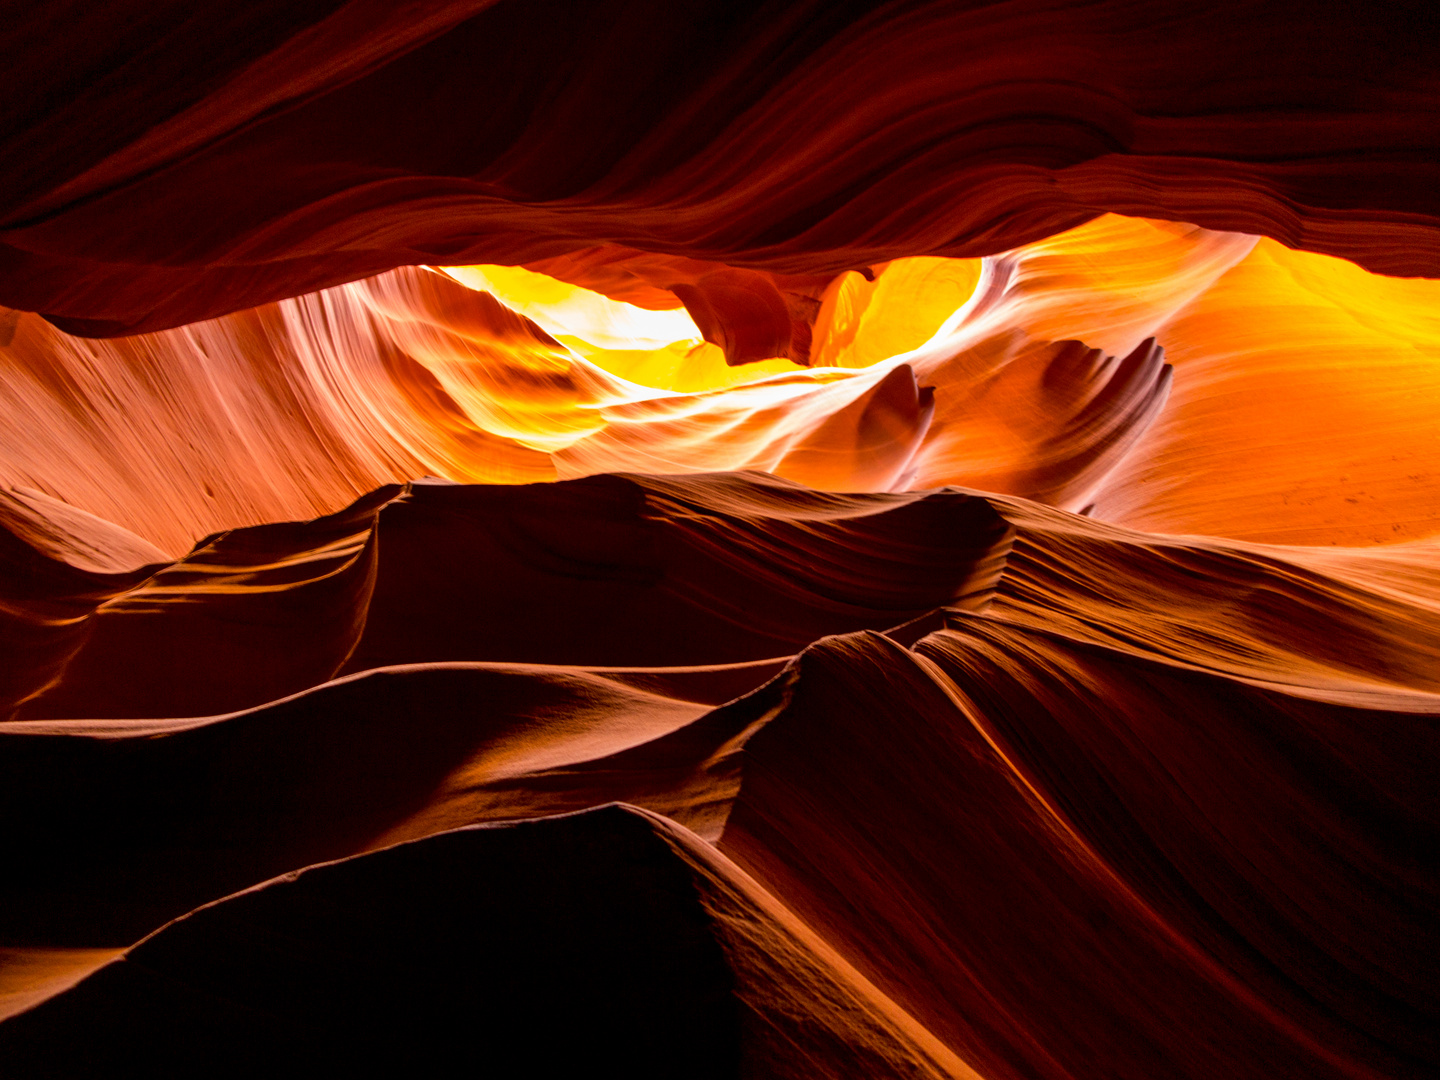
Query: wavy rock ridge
[(162, 170), (1032, 373), (1086, 835)]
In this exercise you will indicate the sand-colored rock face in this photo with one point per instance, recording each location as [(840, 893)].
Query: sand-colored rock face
[(719, 540), (1174, 379)]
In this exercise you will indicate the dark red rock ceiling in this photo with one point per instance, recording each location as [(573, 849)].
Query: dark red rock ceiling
[(171, 162)]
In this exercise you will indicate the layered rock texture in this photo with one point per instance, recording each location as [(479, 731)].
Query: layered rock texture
[(720, 539), (166, 164)]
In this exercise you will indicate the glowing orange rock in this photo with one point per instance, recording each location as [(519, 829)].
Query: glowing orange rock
[(1035, 373)]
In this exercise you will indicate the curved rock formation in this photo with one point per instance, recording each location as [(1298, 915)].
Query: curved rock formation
[(641, 948), (1096, 801), (696, 540), (163, 170), (934, 372)]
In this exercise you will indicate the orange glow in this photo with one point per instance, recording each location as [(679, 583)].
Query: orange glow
[(860, 322), (659, 349), (1027, 373), (863, 322), (1303, 410)]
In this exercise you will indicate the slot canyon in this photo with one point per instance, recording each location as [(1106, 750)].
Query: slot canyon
[(720, 538)]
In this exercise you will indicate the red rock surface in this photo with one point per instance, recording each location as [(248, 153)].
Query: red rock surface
[(166, 164), (1107, 806), (696, 540)]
